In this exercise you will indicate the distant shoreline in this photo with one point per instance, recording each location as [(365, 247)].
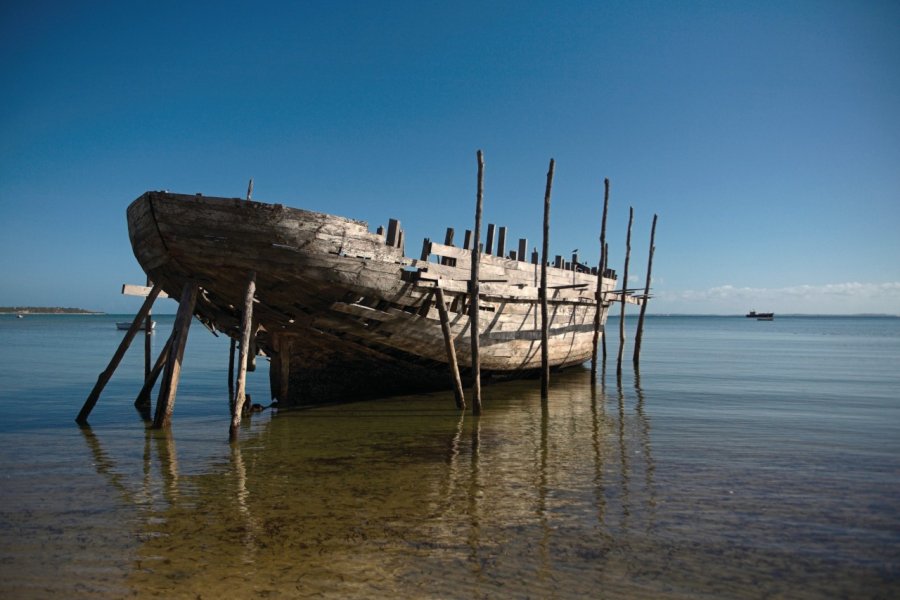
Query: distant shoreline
[(46, 310)]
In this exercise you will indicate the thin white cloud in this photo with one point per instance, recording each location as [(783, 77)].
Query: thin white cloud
[(846, 297)]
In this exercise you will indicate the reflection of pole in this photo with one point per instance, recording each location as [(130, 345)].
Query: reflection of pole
[(644, 421), (545, 321), (251, 527), (475, 492), (453, 459), (623, 457), (598, 454), (105, 466), (542, 490), (168, 463)]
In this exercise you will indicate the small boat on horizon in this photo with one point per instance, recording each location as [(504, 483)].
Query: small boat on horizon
[(125, 325), (760, 316)]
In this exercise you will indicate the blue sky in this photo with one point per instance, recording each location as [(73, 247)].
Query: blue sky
[(766, 135)]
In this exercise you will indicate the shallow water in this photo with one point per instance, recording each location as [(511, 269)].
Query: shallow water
[(746, 459)]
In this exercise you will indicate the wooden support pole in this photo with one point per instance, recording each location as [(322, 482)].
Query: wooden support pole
[(523, 249), (148, 337), (640, 327), (284, 370), (474, 330), (603, 332), (237, 407), (448, 241), (501, 242), (489, 242), (545, 322), (624, 293), (105, 376), (165, 404), (451, 350), (393, 233), (600, 269), (143, 397), (231, 347)]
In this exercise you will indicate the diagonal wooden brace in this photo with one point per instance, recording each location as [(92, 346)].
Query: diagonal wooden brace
[(105, 376)]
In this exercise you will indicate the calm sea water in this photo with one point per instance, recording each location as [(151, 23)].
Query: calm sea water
[(746, 460)]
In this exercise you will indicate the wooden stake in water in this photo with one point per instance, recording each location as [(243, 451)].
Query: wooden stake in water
[(624, 293), (246, 331), (148, 336), (105, 376), (603, 331), (640, 327), (545, 322), (474, 331), (143, 398), (600, 270), (231, 347), (450, 349), (165, 404)]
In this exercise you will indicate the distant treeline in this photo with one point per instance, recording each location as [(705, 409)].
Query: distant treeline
[(52, 310)]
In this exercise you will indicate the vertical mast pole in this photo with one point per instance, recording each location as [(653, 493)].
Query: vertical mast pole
[(624, 293), (545, 323), (600, 270), (474, 331), (640, 328)]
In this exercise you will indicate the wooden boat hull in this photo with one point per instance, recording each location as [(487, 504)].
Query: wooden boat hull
[(342, 314)]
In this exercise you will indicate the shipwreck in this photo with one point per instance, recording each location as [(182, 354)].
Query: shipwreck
[(341, 312)]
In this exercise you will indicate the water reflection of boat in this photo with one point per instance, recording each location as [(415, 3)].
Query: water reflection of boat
[(760, 316), (382, 490)]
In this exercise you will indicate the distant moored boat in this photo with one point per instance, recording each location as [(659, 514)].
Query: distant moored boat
[(125, 325), (760, 316)]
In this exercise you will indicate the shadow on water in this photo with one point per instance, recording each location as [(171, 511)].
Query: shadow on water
[(397, 495)]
